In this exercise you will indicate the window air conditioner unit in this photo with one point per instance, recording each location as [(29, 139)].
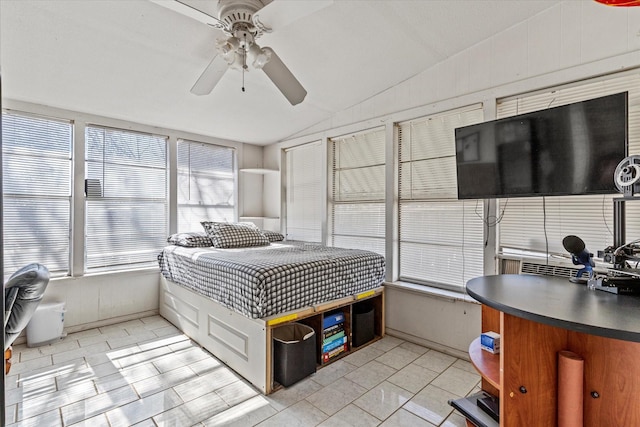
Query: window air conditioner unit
[(539, 266)]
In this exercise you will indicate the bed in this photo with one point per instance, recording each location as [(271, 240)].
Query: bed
[(228, 300)]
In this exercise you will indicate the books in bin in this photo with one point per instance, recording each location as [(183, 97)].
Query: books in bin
[(334, 339), (332, 319)]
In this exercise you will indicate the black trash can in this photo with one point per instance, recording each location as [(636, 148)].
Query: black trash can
[(363, 322), (294, 353)]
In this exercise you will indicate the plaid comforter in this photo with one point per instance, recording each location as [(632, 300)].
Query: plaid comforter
[(263, 281)]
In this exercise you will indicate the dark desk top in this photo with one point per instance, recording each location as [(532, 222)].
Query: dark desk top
[(558, 302)]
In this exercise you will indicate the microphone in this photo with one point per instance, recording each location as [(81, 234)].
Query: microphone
[(579, 256)]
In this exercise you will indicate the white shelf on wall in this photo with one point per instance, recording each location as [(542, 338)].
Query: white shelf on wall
[(264, 222), (259, 170)]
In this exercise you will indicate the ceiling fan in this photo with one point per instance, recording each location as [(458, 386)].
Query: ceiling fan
[(242, 22)]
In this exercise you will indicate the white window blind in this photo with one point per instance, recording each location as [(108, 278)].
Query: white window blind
[(126, 217), (358, 190), (206, 184), (304, 192), (441, 238), (36, 154), (539, 224)]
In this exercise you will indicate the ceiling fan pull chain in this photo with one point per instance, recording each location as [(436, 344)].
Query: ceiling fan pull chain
[(244, 59)]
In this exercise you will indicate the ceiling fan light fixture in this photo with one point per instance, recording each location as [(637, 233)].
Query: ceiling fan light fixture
[(228, 47), (258, 56), (238, 61)]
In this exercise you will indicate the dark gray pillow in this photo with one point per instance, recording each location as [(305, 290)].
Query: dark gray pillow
[(273, 236), (234, 234)]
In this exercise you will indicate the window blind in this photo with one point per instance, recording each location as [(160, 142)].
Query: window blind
[(357, 217), (206, 184), (441, 238), (539, 224), (36, 154), (127, 224), (304, 192)]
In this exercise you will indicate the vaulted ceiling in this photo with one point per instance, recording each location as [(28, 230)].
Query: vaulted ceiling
[(137, 60)]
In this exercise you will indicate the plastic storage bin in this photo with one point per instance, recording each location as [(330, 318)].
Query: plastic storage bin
[(294, 353), (363, 322), (46, 325)]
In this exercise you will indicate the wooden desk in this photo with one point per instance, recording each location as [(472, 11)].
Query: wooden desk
[(537, 316)]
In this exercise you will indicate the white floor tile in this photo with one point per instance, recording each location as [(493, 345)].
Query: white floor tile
[(208, 383), (403, 418), (457, 381), (144, 408), (371, 374), (245, 414), (125, 377), (435, 361), (97, 421), (398, 357), (412, 377), (335, 397), (387, 343), (98, 348), (236, 392), (176, 359), (332, 372), (383, 400), (192, 412), (351, 416), (49, 419), (51, 401), (363, 356), (286, 397), (431, 404), (164, 381), (97, 405), (301, 414)]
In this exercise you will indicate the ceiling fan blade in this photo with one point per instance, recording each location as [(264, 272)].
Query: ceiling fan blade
[(279, 14), (200, 11), (210, 76), (284, 79)]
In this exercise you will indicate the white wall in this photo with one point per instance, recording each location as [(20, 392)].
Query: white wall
[(102, 299), (572, 41)]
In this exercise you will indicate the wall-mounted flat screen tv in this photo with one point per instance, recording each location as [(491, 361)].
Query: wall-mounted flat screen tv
[(568, 150)]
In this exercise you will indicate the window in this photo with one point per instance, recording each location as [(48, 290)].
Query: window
[(36, 154), (304, 192), (206, 184), (126, 205), (357, 217), (441, 238), (539, 224)]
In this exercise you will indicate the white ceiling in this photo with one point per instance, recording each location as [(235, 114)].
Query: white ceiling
[(136, 60)]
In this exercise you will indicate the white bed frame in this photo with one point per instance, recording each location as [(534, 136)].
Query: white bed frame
[(242, 343)]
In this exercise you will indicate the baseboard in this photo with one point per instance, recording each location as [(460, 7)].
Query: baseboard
[(22, 338), (110, 321), (429, 344)]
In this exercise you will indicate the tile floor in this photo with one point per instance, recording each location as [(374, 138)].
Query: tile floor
[(146, 373)]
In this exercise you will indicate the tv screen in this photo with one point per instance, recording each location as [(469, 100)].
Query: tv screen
[(568, 150)]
